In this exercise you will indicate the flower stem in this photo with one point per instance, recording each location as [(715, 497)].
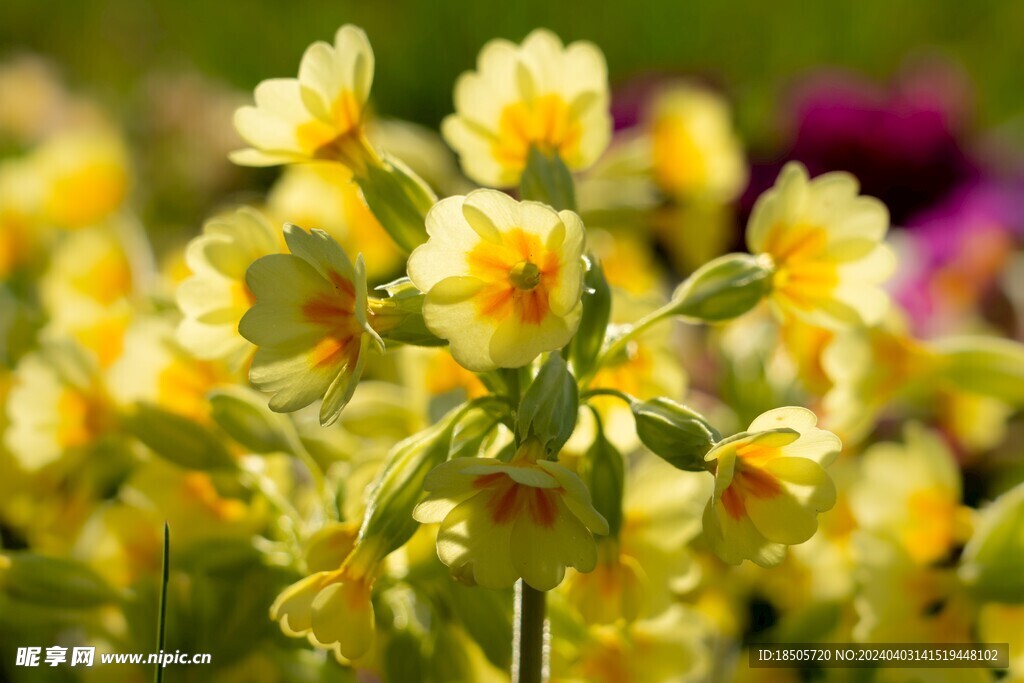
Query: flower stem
[(530, 646)]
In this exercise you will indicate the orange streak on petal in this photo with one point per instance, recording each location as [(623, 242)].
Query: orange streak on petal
[(733, 502), (544, 511)]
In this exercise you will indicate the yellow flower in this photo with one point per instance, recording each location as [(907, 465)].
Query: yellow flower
[(500, 521), (539, 94), (309, 322), (770, 485), (825, 242), (323, 196), (317, 116), (911, 492), (694, 152), (85, 177), (333, 608), (57, 404), (503, 278), (669, 648), (154, 369), (215, 297)]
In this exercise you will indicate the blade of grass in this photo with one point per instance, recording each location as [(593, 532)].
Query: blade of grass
[(162, 618)]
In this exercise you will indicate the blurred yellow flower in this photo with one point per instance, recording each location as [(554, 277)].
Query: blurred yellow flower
[(215, 297), (695, 153), (539, 94), (911, 493), (503, 278), (317, 116), (84, 175), (529, 518), (57, 404), (309, 322), (19, 229), (333, 608), (323, 196), (669, 648), (154, 369), (770, 485), (826, 244)]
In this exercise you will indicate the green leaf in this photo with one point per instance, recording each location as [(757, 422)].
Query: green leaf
[(549, 407), (723, 289), (244, 416), (403, 657), (53, 581), (984, 365), (546, 179), (177, 439), (679, 435), (597, 308), (992, 565)]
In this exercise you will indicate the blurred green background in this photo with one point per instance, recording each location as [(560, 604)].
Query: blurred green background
[(753, 48)]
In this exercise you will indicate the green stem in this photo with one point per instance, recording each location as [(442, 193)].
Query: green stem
[(605, 391), (664, 313), (530, 647)]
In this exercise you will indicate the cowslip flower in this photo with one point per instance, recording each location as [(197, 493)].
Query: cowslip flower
[(528, 518), (695, 153), (503, 278), (323, 196), (317, 116), (825, 242), (911, 492), (332, 608), (539, 94), (215, 297), (770, 485), (309, 322), (57, 405)]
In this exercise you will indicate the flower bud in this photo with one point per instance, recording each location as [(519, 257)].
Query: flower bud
[(677, 434), (549, 406), (597, 307), (399, 199), (724, 288), (602, 470), (400, 486)]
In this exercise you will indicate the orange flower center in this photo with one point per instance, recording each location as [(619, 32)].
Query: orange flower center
[(802, 274), (750, 480), (335, 312), (545, 122), (518, 273)]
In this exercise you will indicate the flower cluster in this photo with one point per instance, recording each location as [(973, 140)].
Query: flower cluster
[(449, 404)]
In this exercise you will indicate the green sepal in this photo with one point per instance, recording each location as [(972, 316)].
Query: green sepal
[(549, 407), (675, 433), (723, 289), (603, 471), (546, 179), (399, 199), (597, 308)]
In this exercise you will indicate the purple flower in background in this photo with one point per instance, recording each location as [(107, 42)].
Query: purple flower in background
[(956, 250), (902, 142)]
